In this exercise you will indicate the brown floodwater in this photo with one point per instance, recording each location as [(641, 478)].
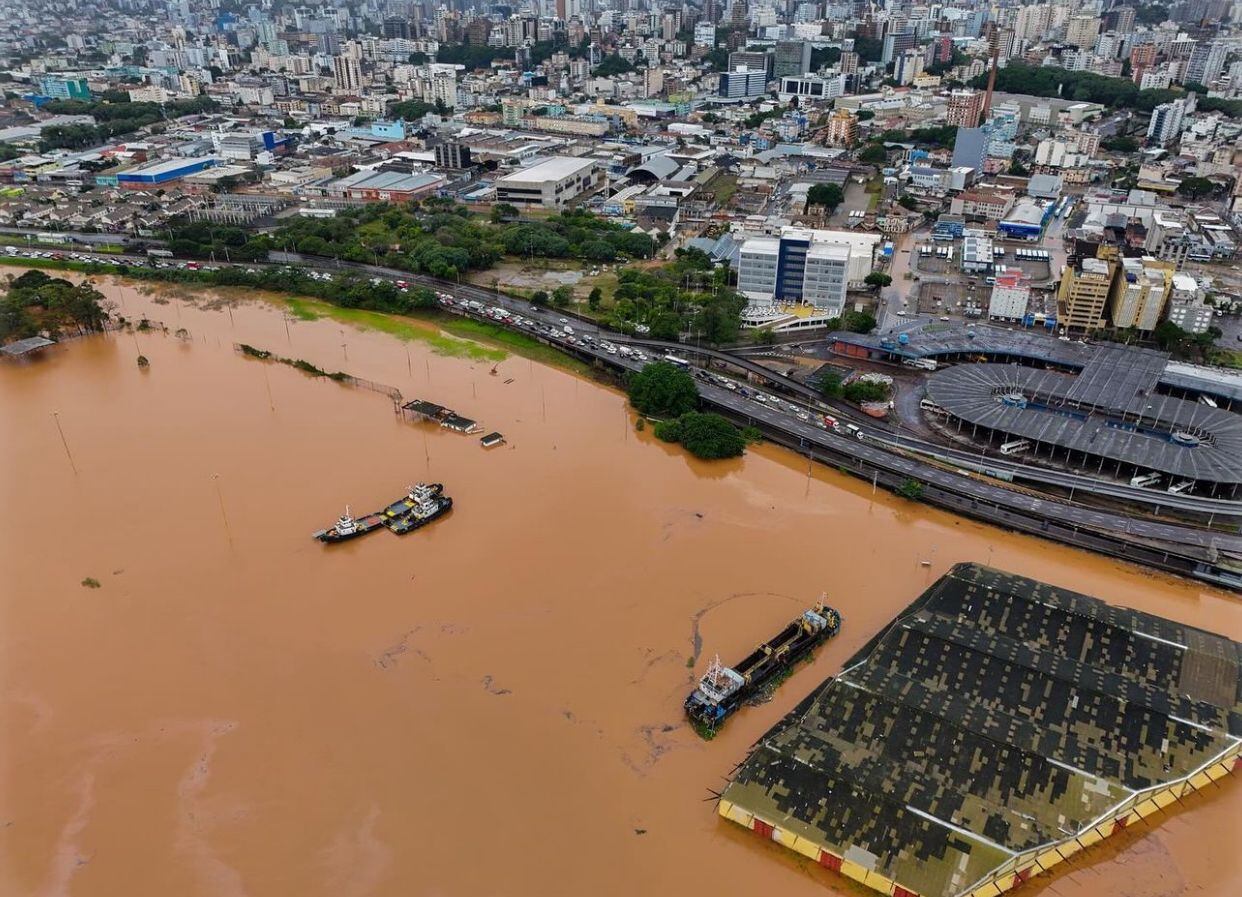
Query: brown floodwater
[(489, 706)]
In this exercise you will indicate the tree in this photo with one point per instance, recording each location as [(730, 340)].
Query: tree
[(874, 154), (877, 279), (503, 211), (612, 65), (706, 436), (539, 297), (827, 195), (906, 201), (661, 388), (594, 298), (829, 384), (910, 489), (562, 296), (1017, 169), (1120, 144), (858, 321), (1195, 188)]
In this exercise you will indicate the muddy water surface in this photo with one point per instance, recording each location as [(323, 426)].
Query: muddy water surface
[(490, 706)]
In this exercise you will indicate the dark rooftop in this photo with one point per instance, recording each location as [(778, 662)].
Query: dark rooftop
[(997, 718), (1111, 414)]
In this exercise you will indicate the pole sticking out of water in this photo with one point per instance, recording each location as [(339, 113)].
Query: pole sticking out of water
[(427, 362), (288, 336), (268, 383), (64, 442), (229, 305), (215, 479), (543, 400), (409, 365)]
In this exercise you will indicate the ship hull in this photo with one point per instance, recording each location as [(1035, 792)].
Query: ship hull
[(407, 523), (368, 524), (776, 656)]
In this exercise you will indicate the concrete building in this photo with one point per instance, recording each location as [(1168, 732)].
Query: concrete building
[(743, 84), (791, 58), (1010, 296), (551, 183), (1206, 62), (812, 87), (976, 252), (1083, 295), (896, 43), (970, 148), (1140, 293), (60, 88), (1166, 122), (907, 66), (814, 267), (750, 59), (1187, 308), (842, 128), (452, 154), (1081, 31), (347, 73), (965, 108)]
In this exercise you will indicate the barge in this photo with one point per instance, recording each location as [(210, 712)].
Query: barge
[(347, 527), (410, 500), (723, 690), (428, 504)]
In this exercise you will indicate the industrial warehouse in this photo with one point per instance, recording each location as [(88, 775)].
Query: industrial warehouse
[(996, 727)]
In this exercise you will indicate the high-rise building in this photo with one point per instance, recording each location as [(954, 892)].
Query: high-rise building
[(848, 63), (743, 83), (907, 66), (965, 108), (347, 73), (801, 265), (1142, 58), (1084, 294), (1032, 22), (1120, 19), (1140, 293), (1187, 308), (1206, 63), (970, 149), (750, 59), (895, 43), (396, 27), (791, 58), (1166, 122), (842, 128), (1081, 31)]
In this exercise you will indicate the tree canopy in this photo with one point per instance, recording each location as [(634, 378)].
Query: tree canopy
[(36, 303), (706, 436), (663, 389)]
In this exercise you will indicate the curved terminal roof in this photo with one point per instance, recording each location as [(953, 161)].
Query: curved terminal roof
[(1102, 412), (1042, 349)]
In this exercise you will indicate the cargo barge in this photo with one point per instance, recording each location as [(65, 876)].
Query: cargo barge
[(427, 504), (347, 527), (723, 689)]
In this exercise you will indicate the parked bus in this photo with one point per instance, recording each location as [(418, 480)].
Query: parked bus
[(1015, 447), (679, 362), (1144, 480), (1179, 488)]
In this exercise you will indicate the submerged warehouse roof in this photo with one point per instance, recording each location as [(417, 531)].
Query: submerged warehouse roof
[(997, 726), (1105, 412)]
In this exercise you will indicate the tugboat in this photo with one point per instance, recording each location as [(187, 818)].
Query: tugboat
[(405, 505), (346, 527), (723, 689), (429, 502)]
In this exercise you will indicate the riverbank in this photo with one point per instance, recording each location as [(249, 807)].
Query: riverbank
[(448, 334)]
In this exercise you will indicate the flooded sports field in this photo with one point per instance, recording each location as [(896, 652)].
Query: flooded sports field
[(196, 698)]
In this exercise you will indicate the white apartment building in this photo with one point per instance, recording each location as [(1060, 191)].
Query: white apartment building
[(1187, 308), (1010, 296), (1140, 293), (551, 183)]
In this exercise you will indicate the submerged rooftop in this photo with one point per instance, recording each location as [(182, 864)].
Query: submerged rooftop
[(995, 727)]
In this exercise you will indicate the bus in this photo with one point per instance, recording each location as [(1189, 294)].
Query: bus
[(931, 407), (1144, 480), (678, 362), (1015, 447)]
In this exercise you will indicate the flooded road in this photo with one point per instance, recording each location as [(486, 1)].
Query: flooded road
[(489, 706)]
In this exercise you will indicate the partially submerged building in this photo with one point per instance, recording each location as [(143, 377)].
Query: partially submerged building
[(996, 727)]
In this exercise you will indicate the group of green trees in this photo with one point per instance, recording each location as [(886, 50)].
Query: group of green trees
[(831, 386), (688, 296), (1053, 81), (35, 303), (664, 390), (614, 64), (114, 116), (827, 195), (413, 110), (436, 237)]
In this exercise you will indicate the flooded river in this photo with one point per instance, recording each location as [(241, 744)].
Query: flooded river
[(490, 706)]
